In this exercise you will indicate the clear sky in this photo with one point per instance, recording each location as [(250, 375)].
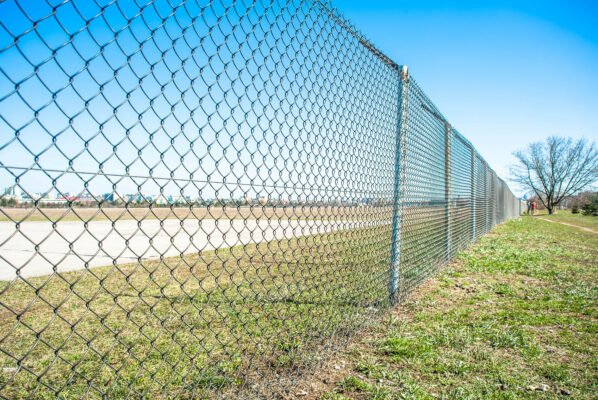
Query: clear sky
[(505, 73), (222, 99), (182, 98)]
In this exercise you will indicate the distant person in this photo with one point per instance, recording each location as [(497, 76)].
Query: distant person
[(529, 207), (534, 207)]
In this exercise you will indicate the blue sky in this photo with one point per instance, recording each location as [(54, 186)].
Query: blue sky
[(505, 73), (174, 97), (219, 99)]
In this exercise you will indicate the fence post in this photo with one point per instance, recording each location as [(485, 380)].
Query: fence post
[(487, 198), (473, 199), (402, 115), (519, 208), (447, 186), (496, 200)]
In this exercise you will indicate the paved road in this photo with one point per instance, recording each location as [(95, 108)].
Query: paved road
[(36, 249)]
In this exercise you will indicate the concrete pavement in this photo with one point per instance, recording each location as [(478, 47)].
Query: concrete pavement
[(39, 248)]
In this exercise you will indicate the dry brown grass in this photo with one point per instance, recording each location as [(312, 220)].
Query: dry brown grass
[(243, 212)]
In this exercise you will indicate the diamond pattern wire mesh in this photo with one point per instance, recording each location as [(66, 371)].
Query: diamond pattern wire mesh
[(203, 196)]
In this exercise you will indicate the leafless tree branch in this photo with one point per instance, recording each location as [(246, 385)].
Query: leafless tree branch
[(556, 169)]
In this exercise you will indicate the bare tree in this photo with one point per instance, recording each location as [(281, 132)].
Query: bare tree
[(556, 169)]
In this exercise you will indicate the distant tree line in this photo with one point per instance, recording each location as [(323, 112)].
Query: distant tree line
[(586, 203)]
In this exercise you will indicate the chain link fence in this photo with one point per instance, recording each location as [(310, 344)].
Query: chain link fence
[(202, 197)]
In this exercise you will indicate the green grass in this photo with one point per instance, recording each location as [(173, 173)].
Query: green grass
[(574, 219), (515, 312), (221, 320)]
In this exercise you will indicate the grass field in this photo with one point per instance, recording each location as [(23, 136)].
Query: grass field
[(214, 321), (195, 212), (575, 219), (515, 317)]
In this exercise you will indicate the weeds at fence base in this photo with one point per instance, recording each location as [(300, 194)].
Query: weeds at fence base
[(514, 317)]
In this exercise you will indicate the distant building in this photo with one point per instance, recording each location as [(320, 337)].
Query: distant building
[(50, 199), (161, 200), (134, 198), (112, 197), (10, 196), (262, 200), (26, 198), (10, 191)]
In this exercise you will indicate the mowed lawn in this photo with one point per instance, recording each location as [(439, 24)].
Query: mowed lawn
[(575, 219), (514, 317)]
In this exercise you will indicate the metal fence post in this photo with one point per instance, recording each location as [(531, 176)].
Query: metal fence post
[(447, 186), (402, 115), (519, 208), (494, 199), (473, 199), (487, 198)]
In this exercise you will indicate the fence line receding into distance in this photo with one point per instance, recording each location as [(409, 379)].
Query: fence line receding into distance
[(200, 197)]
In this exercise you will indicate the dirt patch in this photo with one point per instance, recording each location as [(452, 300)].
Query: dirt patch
[(342, 364), (583, 228)]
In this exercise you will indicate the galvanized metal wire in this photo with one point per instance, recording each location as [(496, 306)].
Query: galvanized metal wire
[(202, 197)]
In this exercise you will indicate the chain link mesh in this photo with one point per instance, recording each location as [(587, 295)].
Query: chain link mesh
[(204, 196)]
